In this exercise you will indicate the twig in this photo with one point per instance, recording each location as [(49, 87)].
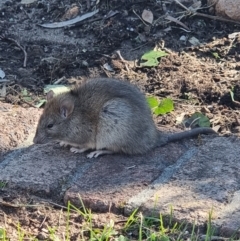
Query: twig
[(57, 205), (123, 60), (59, 80), (140, 46), (22, 230), (22, 99), (17, 205), (139, 17), (43, 222), (182, 5), (60, 206), (26, 14), (108, 75), (19, 45), (28, 103), (230, 45), (60, 216), (172, 19), (203, 237), (215, 18), (236, 103), (4, 80)]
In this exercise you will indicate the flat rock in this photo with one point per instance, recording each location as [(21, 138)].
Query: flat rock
[(16, 125), (114, 179), (192, 179), (44, 169), (208, 180)]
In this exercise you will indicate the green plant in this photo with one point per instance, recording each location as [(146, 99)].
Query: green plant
[(165, 106), (21, 233), (3, 184), (3, 235), (151, 58), (210, 229)]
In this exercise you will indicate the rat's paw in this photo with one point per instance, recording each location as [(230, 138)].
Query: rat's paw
[(77, 150), (95, 154), (62, 143)]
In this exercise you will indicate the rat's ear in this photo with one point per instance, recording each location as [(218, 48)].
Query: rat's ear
[(50, 95), (66, 108)]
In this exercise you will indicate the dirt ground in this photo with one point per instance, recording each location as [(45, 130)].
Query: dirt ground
[(196, 78)]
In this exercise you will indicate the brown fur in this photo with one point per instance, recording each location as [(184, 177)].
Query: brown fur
[(104, 114)]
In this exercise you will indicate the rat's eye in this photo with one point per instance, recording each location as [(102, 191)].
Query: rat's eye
[(49, 126)]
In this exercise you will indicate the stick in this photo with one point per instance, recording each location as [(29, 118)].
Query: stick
[(215, 18), (19, 45)]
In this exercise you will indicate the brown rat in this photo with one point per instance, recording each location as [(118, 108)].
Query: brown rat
[(104, 115)]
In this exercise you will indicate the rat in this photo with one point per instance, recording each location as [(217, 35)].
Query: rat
[(106, 116)]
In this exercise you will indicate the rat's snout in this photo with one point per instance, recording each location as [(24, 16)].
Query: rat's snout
[(38, 138), (41, 137), (35, 139)]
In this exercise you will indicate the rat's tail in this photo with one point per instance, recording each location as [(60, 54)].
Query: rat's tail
[(164, 139)]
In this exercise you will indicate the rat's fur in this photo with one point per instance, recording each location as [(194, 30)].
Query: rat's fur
[(107, 115)]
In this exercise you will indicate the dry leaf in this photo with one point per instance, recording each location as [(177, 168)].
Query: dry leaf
[(147, 16), (71, 13), (69, 22)]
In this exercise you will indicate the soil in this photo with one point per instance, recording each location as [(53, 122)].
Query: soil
[(197, 78)]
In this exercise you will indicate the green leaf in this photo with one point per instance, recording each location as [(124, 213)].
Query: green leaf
[(40, 103), (198, 120), (215, 54), (152, 102), (1, 233), (165, 106), (151, 58), (57, 89), (232, 95), (27, 98), (24, 92), (3, 184)]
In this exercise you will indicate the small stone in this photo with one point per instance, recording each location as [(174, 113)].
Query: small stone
[(42, 236), (183, 38), (227, 8)]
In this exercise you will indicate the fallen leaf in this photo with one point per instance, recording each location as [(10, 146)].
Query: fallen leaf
[(152, 102), (165, 106), (69, 22), (110, 14), (147, 16), (57, 89), (180, 118), (108, 67), (71, 13), (2, 74), (197, 120), (40, 103), (194, 41), (151, 58)]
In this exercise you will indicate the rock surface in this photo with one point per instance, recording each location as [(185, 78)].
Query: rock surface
[(192, 179), (16, 124)]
